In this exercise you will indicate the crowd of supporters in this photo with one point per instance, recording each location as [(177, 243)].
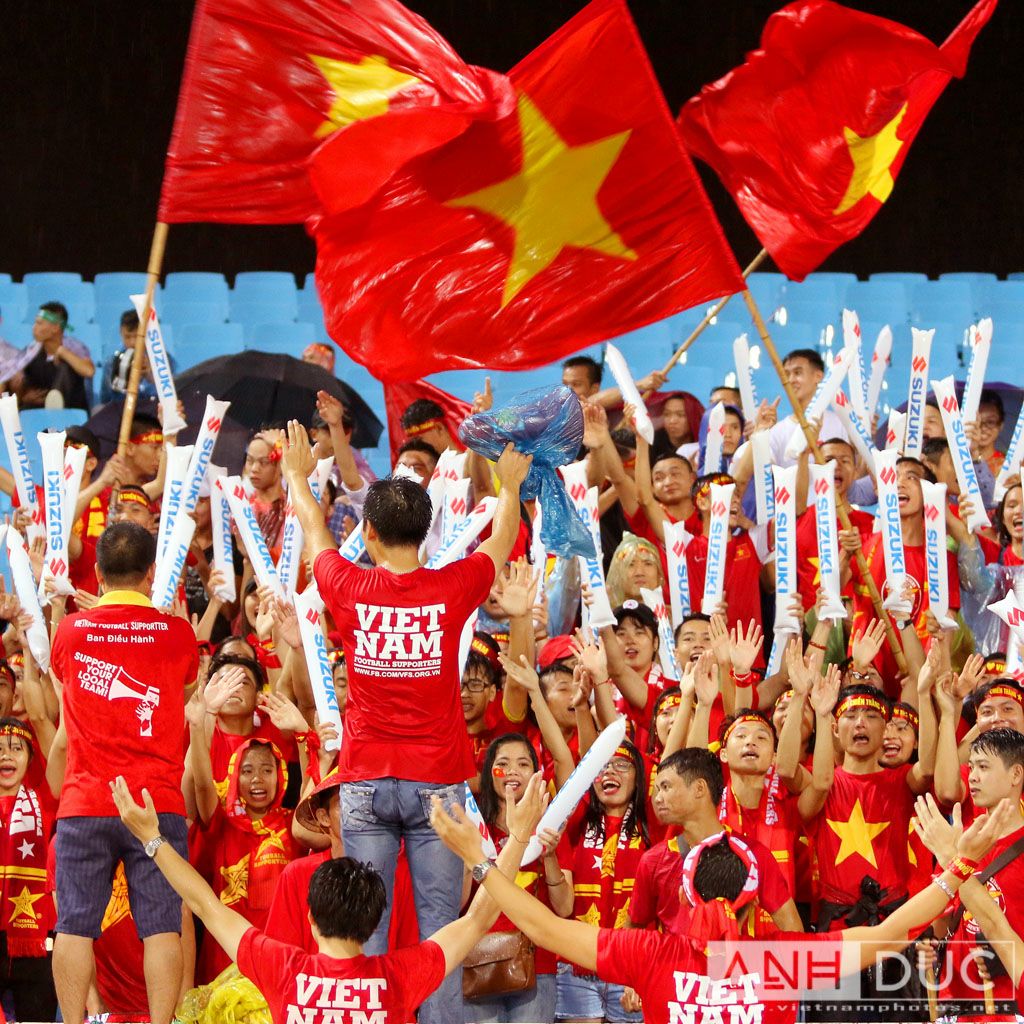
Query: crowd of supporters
[(802, 764)]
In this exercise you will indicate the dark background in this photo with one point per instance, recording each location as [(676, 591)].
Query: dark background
[(89, 90)]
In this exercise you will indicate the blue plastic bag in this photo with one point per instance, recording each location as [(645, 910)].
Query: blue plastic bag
[(546, 423)]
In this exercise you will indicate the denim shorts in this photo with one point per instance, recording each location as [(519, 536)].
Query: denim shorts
[(590, 999), (87, 851)]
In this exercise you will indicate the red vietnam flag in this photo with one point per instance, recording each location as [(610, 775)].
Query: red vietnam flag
[(574, 217), (266, 81), (810, 133), (398, 398)]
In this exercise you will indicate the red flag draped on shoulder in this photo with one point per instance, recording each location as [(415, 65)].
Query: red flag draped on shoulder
[(810, 133), (398, 398), (266, 81), (525, 235)]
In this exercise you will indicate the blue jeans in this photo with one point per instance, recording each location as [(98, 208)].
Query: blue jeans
[(582, 998), (376, 814)]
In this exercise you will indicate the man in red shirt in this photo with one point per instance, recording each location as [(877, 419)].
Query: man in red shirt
[(346, 901), (405, 734), (123, 667)]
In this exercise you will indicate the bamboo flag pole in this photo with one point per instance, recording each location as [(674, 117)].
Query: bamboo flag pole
[(711, 314), (841, 505), (131, 394)]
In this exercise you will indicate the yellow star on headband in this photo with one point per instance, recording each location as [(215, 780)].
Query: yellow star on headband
[(872, 157), (856, 835), (361, 90), (552, 202), (24, 903)]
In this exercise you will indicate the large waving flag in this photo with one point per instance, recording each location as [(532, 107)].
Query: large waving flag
[(810, 133), (525, 235), (267, 81)]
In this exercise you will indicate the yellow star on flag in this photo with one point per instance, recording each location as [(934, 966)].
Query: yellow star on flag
[(24, 903), (872, 157), (236, 882), (552, 202), (361, 90), (856, 835)]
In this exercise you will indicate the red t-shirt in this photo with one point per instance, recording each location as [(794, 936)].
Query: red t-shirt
[(496, 723), (1005, 887), (224, 744), (670, 977), (862, 830), (401, 638), (321, 989), (742, 580), (808, 574), (124, 667)]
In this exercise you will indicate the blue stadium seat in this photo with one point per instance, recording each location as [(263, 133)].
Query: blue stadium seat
[(1003, 300), (118, 286), (89, 336), (268, 283), (35, 421), (695, 378), (971, 277), (766, 289), (13, 303), (250, 312), (1004, 360), (179, 311), (827, 292), (942, 300), (288, 339), (198, 287), (811, 311), (77, 296), (946, 354), (909, 279), (52, 278), (19, 335), (879, 300), (108, 316), (264, 288), (5, 278), (840, 278), (1017, 275), (195, 343), (646, 347), (795, 334)]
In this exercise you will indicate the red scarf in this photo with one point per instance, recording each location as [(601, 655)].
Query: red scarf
[(28, 908)]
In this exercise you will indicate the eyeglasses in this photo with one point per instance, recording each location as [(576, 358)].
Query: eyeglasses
[(989, 424), (619, 766), (474, 685)]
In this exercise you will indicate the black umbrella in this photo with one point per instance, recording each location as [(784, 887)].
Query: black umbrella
[(265, 388)]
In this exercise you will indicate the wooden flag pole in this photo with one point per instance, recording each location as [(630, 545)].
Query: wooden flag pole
[(841, 506), (131, 394), (711, 314)]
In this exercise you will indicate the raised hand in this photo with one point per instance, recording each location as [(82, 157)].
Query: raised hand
[(522, 815), (704, 679), (517, 589), (483, 401), (225, 684), (972, 675), (521, 672), (867, 643), (985, 830), (457, 832), (141, 821), (744, 647), (283, 713), (801, 678), (935, 831), (595, 424), (298, 461), (592, 657), (825, 690), (720, 640), (330, 408)]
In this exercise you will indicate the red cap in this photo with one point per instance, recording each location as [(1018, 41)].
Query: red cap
[(558, 648)]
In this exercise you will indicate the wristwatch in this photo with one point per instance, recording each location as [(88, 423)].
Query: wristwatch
[(479, 871), (153, 845)]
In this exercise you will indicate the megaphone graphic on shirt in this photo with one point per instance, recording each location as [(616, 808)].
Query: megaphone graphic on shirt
[(122, 689)]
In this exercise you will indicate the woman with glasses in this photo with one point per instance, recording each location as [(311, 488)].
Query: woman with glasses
[(605, 840), (991, 416)]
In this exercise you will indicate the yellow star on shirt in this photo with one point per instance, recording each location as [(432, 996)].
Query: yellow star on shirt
[(816, 562), (273, 840), (361, 90), (236, 882), (552, 202), (872, 157), (591, 917), (856, 835), (24, 903)]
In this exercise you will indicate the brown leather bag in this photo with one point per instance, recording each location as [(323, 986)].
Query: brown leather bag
[(500, 963)]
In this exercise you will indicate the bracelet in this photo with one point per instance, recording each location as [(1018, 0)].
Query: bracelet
[(737, 678), (962, 869), (937, 880), (522, 842), (554, 885), (606, 682), (811, 643)]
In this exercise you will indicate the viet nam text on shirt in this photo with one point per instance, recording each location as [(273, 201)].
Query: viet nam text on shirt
[(398, 641)]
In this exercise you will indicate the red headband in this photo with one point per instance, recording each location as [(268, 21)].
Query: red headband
[(739, 720), (18, 730), (130, 496), (704, 488), (148, 437), (862, 700), (422, 428), (908, 715), (485, 650), (1002, 690)]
